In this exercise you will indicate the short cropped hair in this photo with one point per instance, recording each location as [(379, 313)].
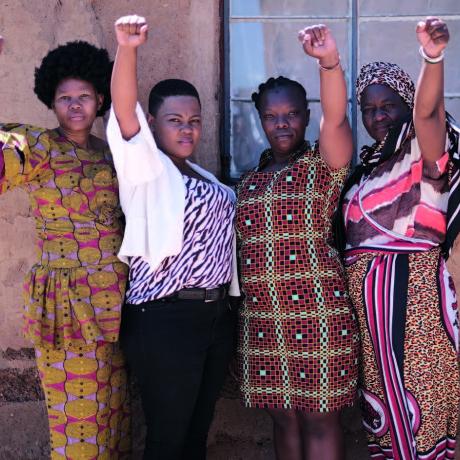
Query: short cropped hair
[(79, 60), (170, 87)]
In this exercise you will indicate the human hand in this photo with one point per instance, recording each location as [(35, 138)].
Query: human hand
[(318, 42), (433, 36), (131, 31)]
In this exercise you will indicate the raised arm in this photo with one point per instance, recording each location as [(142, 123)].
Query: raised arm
[(131, 32), (335, 137), (429, 110), (19, 162)]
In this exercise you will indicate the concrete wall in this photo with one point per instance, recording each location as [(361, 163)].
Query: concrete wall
[(184, 42)]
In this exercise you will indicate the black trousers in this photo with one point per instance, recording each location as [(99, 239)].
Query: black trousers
[(179, 351)]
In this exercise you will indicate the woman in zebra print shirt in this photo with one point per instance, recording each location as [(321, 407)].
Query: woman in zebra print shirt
[(178, 331)]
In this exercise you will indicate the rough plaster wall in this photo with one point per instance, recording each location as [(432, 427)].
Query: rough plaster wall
[(183, 43), (29, 32)]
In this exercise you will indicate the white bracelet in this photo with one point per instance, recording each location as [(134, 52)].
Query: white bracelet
[(429, 59)]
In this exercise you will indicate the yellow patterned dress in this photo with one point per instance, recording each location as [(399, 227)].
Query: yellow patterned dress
[(73, 294)]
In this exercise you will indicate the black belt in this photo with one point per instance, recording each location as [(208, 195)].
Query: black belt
[(207, 295)]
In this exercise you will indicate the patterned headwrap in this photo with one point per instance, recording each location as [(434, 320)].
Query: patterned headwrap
[(386, 73)]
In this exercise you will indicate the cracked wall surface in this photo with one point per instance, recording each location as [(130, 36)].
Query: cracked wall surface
[(188, 51), (184, 43)]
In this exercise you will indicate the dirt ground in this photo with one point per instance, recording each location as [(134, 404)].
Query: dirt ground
[(245, 434)]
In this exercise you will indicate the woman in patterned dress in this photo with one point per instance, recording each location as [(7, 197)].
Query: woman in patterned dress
[(74, 292), (400, 211), (177, 331), (298, 337)]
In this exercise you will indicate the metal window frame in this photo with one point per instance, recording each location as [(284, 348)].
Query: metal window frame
[(355, 19), (225, 78), (227, 19)]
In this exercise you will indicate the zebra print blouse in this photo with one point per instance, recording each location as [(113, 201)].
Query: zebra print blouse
[(205, 260)]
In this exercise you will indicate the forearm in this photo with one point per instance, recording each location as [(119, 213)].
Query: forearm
[(429, 111), (124, 90), (335, 138), (333, 92), (429, 96)]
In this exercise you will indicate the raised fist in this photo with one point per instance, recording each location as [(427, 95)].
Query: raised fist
[(318, 42), (433, 36), (131, 31)]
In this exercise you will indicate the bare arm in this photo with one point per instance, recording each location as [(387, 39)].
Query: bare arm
[(429, 110), (131, 32), (335, 137)]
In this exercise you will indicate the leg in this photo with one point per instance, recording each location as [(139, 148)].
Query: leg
[(286, 434), (322, 435), (115, 399), (85, 394), (215, 370), (166, 346)]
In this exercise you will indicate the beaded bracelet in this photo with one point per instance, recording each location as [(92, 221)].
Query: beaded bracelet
[(429, 59)]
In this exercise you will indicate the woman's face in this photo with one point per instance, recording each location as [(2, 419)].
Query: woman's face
[(381, 109), (284, 116), (76, 104), (177, 126)]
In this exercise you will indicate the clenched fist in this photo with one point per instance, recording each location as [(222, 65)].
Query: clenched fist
[(131, 31), (318, 42), (433, 36)]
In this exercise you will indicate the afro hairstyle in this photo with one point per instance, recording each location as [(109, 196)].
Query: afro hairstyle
[(167, 88), (79, 60)]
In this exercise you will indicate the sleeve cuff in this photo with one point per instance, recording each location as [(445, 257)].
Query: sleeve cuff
[(137, 160)]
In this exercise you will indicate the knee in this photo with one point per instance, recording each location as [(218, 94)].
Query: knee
[(320, 425), (283, 419)]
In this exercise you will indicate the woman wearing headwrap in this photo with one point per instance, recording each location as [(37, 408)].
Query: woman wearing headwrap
[(400, 219)]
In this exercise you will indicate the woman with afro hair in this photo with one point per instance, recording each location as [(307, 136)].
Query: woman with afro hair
[(73, 293)]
